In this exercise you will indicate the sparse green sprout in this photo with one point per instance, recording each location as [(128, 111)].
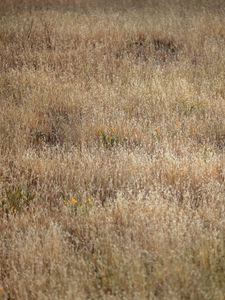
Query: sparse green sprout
[(156, 133), (108, 139), (16, 199)]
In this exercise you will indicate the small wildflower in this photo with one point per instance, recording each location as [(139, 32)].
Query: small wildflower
[(74, 200)]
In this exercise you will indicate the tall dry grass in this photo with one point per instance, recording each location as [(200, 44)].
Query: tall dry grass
[(121, 106)]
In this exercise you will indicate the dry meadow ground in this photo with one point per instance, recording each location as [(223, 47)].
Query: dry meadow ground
[(112, 139)]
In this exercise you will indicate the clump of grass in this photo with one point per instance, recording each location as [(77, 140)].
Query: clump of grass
[(17, 199), (108, 138)]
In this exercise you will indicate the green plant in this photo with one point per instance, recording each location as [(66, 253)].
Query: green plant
[(16, 199), (109, 140)]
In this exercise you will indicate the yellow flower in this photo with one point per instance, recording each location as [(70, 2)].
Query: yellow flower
[(71, 201), (74, 200)]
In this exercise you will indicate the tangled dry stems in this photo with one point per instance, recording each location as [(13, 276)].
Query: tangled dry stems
[(123, 104)]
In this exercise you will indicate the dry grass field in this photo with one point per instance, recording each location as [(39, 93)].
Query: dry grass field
[(112, 139)]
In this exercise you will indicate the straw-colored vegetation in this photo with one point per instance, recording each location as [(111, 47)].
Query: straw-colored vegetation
[(112, 138)]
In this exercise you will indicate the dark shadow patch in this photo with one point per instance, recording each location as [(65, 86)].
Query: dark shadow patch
[(138, 48), (143, 49), (50, 137), (165, 50)]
